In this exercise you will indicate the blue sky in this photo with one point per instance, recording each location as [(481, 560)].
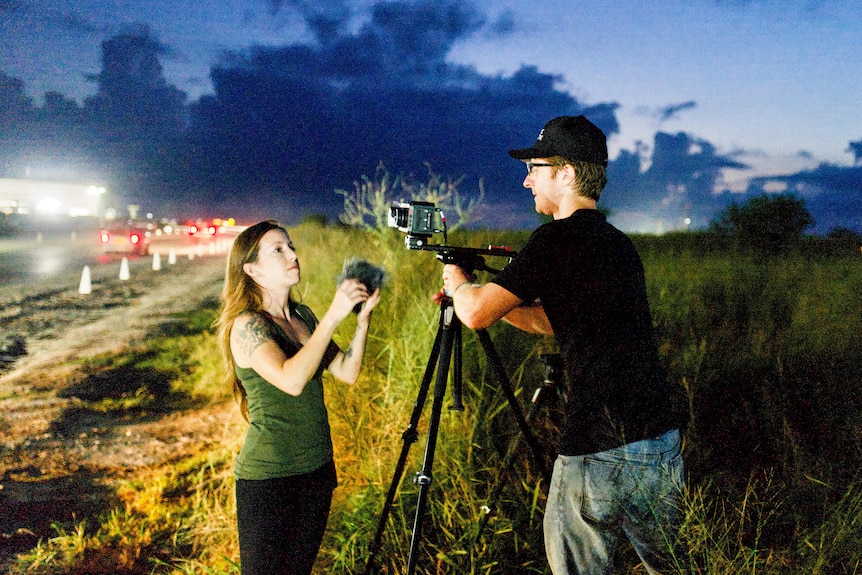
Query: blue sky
[(774, 85)]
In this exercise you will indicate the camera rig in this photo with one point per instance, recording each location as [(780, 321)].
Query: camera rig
[(421, 220)]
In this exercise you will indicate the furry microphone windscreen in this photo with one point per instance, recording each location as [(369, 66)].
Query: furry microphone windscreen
[(368, 274)]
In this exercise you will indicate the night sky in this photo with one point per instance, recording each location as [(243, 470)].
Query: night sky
[(260, 108)]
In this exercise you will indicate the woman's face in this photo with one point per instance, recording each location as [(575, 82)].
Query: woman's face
[(277, 266)]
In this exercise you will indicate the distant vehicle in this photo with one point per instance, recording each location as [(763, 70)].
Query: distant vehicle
[(210, 228), (125, 239), (202, 229)]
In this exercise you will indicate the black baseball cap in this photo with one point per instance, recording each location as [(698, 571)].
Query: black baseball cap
[(573, 137)]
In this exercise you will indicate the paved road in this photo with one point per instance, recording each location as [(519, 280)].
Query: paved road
[(29, 266)]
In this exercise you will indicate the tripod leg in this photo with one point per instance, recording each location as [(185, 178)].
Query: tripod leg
[(409, 437), (457, 387), (497, 365), (424, 478)]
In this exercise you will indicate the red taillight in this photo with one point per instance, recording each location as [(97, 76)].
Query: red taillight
[(134, 238), (193, 229), (212, 230), (105, 237)]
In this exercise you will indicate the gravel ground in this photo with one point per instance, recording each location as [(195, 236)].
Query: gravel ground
[(58, 462)]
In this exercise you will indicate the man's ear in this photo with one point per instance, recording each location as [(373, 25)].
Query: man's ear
[(568, 172)]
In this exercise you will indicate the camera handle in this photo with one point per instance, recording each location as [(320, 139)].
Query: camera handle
[(446, 347)]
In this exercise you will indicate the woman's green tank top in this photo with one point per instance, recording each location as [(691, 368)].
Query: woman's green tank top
[(288, 435)]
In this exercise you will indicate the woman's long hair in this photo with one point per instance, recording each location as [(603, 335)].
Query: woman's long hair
[(240, 294)]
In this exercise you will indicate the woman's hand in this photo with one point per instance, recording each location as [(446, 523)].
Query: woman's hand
[(368, 306), (349, 293), (347, 364)]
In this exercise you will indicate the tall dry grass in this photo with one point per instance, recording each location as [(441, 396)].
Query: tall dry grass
[(766, 354)]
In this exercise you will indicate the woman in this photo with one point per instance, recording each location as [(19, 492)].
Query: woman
[(276, 349)]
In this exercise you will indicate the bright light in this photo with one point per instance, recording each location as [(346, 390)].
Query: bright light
[(48, 206)]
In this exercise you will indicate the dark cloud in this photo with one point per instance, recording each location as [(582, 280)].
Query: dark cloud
[(132, 89), (503, 25), (281, 118), (833, 194), (855, 148), (288, 125), (679, 183), (325, 18), (669, 112), (14, 100)]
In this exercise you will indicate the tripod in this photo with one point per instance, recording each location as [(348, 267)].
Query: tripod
[(446, 349)]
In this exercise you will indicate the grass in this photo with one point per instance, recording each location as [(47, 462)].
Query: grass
[(766, 354)]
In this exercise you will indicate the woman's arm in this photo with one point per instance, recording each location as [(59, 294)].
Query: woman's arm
[(347, 364), (253, 342)]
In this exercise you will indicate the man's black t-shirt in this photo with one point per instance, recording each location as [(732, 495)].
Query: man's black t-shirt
[(590, 281)]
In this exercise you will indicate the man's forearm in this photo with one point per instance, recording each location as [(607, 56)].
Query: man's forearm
[(530, 318)]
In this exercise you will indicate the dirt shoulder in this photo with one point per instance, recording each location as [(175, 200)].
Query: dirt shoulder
[(56, 460)]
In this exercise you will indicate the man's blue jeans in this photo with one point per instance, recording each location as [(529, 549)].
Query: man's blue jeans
[(596, 500)]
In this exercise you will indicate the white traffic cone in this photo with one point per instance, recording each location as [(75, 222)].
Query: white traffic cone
[(157, 261), (85, 287), (172, 256), (124, 269)]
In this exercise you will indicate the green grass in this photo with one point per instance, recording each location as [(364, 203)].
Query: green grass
[(766, 354)]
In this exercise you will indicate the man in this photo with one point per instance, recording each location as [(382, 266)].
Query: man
[(619, 467)]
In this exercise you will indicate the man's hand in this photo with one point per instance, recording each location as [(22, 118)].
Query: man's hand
[(454, 277)]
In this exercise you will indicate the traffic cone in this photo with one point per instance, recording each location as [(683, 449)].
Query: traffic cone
[(124, 269), (172, 256), (85, 286), (157, 261)]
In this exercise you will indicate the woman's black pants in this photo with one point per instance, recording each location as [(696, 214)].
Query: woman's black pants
[(281, 521)]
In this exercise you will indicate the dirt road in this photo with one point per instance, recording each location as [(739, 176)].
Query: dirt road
[(55, 463)]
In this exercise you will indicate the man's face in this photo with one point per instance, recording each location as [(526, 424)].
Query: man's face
[(545, 185)]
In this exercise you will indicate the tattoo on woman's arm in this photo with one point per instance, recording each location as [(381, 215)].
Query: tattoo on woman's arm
[(255, 332)]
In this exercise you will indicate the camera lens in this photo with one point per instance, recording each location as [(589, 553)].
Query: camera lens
[(398, 215)]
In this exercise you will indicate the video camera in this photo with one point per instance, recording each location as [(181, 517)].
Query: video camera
[(418, 219), (421, 220)]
